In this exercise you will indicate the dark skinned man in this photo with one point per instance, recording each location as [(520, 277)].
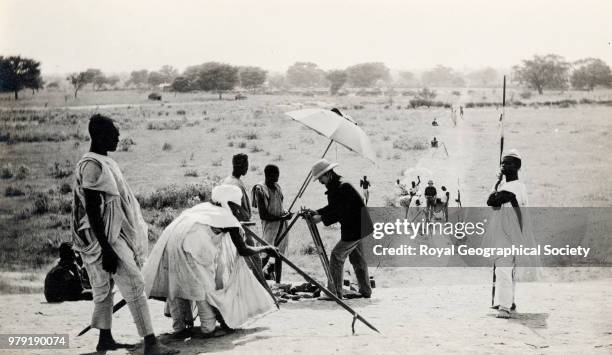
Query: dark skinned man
[(109, 232)]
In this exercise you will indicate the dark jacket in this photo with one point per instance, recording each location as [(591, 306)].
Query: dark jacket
[(346, 207)]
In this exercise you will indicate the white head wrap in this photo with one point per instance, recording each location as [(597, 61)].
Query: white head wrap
[(223, 194), (513, 153)]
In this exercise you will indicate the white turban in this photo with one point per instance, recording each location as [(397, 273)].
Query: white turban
[(513, 153), (223, 194)]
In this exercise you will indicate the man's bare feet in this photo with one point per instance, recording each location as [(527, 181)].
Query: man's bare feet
[(503, 314)]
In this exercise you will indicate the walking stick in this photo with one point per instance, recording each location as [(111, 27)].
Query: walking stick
[(501, 152), (313, 281)]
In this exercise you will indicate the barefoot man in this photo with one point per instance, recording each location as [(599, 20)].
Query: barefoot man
[(200, 259), (510, 225), (111, 235)]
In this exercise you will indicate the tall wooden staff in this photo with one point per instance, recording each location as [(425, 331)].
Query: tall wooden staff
[(501, 152)]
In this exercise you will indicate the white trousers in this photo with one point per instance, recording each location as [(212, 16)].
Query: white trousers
[(504, 282), (182, 315)]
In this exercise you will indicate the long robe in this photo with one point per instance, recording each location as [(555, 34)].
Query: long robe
[(505, 231), (192, 262)]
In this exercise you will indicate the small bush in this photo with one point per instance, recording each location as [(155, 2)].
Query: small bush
[(217, 162), (242, 145), (125, 143), (60, 171), (167, 147), (426, 94), (456, 93), (175, 196), (165, 125), (65, 188), (6, 172), (525, 95), (12, 191), (42, 204), (181, 112), (191, 172), (256, 149), (165, 217), (250, 136), (22, 172), (409, 143), (230, 144), (155, 96)]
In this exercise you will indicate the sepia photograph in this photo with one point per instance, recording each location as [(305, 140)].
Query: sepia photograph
[(305, 177)]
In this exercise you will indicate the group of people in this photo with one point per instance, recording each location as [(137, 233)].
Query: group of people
[(203, 262)]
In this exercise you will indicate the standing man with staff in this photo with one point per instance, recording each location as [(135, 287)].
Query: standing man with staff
[(345, 206)]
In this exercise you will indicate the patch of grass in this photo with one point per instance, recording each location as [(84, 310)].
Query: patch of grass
[(406, 143), (217, 162), (125, 143), (65, 188), (60, 171), (242, 145), (165, 125), (176, 196), (12, 191), (6, 172), (256, 149), (191, 173), (22, 172)]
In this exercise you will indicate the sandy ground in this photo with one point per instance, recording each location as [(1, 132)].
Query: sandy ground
[(559, 317)]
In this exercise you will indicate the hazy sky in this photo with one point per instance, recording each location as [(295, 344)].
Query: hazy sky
[(120, 36)]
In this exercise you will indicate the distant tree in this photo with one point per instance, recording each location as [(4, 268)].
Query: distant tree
[(543, 72), (217, 77), (305, 74), (138, 77), (589, 73), (181, 84), (252, 77), (407, 78), (78, 81), (277, 80), (18, 73), (191, 73), (366, 74), (336, 78), (53, 85), (156, 78), (484, 77), (112, 80), (442, 76), (169, 73)]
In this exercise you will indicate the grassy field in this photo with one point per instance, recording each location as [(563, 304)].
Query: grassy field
[(189, 139)]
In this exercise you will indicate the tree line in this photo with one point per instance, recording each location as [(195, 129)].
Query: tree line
[(541, 72)]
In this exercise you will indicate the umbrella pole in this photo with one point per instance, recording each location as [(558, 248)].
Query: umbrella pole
[(307, 180)]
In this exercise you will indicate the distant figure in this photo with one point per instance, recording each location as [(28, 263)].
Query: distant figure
[(67, 281), (434, 143), (435, 122), (365, 184), (461, 111), (430, 194), (444, 198)]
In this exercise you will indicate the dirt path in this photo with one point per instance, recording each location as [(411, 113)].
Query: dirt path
[(554, 318)]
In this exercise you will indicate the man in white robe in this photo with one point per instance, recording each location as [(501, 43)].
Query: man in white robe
[(199, 258), (510, 225)]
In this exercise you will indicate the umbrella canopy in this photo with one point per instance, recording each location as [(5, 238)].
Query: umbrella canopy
[(339, 128)]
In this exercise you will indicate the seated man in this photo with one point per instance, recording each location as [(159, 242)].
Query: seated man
[(67, 281), (200, 258)]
